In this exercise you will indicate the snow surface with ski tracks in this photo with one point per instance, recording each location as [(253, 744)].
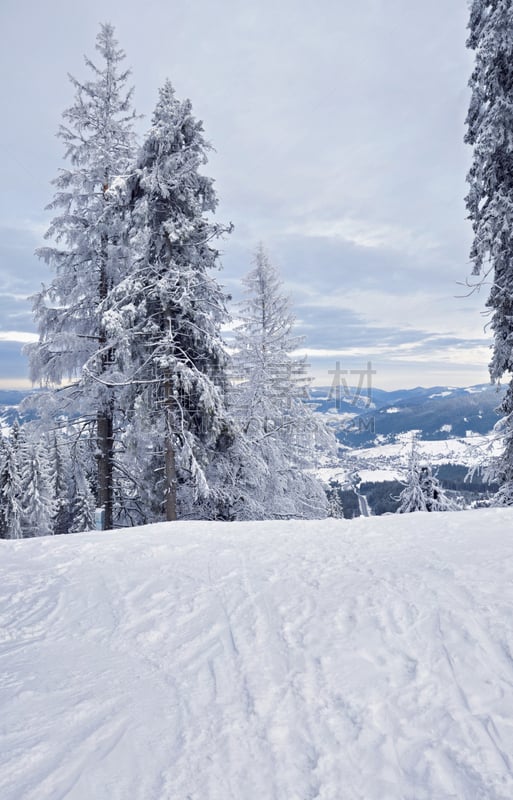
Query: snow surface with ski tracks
[(333, 660)]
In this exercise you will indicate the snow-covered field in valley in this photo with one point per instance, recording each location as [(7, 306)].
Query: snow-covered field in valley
[(340, 660)]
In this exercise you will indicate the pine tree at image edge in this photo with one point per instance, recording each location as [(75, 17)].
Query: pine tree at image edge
[(490, 197)]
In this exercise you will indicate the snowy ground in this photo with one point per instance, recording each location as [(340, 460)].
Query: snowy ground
[(361, 660), (470, 451)]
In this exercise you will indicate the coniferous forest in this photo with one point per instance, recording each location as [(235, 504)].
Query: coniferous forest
[(144, 415)]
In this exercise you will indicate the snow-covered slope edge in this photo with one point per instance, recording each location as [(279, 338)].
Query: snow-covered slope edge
[(336, 660)]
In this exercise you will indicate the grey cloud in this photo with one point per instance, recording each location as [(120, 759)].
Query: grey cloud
[(322, 115)]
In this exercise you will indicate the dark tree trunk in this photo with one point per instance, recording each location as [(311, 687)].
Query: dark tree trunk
[(105, 417), (169, 452), (105, 471)]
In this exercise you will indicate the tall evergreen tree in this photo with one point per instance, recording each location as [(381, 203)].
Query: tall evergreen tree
[(82, 500), (60, 481), (490, 197), (268, 396), (89, 255), (10, 489), (38, 505), (168, 313), (4, 477)]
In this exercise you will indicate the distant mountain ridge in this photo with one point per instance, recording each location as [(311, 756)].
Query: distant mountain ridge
[(437, 412)]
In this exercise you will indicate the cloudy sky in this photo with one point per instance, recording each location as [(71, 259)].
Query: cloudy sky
[(338, 131)]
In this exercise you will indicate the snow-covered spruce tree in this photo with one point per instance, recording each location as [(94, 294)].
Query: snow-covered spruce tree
[(88, 255), (270, 385), (237, 479), (38, 507), (422, 490), (10, 488), (490, 197), (167, 317), (82, 500), (61, 470), (4, 454), (335, 508)]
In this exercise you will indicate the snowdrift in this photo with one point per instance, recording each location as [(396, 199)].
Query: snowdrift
[(335, 660)]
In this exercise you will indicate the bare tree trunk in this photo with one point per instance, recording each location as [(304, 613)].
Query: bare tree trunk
[(169, 452)]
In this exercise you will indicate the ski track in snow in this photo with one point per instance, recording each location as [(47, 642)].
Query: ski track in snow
[(334, 660)]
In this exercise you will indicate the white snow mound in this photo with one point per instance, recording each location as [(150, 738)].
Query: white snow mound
[(362, 660)]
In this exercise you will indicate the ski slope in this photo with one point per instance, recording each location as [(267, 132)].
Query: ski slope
[(339, 660)]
